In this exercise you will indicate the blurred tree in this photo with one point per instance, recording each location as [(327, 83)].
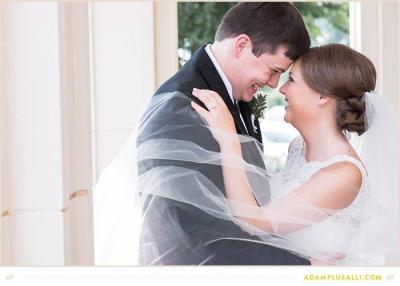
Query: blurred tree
[(326, 22), (198, 21)]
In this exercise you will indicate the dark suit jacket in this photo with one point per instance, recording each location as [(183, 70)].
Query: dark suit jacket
[(190, 238)]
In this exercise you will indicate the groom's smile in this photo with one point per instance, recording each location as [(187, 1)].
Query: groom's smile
[(253, 72), (255, 87)]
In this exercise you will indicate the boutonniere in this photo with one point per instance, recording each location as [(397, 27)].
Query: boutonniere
[(258, 105)]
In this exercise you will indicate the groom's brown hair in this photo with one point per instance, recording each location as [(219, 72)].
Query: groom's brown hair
[(269, 25)]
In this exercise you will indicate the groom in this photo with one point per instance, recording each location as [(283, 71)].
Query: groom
[(254, 44)]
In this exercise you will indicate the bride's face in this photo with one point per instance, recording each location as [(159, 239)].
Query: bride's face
[(302, 103)]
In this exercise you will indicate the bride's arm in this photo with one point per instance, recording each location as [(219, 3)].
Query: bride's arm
[(237, 186), (329, 190), (333, 187)]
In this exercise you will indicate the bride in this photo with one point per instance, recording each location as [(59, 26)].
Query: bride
[(334, 202), (327, 203)]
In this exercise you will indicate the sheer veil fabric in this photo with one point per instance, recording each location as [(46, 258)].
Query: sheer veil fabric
[(363, 232), (379, 151)]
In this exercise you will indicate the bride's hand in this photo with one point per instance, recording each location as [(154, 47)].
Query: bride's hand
[(217, 117)]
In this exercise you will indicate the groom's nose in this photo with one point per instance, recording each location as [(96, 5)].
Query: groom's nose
[(273, 81), (283, 89)]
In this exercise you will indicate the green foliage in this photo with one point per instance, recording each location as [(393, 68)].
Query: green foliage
[(198, 21), (336, 14), (264, 99), (258, 105), (275, 99)]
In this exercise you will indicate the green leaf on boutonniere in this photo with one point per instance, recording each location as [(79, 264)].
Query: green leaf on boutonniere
[(258, 105)]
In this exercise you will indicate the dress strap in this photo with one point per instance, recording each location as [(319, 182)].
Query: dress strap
[(336, 159), (346, 158)]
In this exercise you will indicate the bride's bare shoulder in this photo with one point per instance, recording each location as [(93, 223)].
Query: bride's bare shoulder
[(345, 170), (343, 181)]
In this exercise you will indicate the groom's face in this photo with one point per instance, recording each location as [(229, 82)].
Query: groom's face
[(254, 72)]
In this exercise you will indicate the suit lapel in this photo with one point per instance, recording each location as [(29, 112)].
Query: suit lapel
[(215, 82)]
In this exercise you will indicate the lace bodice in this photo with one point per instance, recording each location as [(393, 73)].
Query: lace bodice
[(297, 171), (343, 229)]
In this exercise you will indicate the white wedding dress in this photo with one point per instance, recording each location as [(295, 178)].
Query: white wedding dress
[(342, 231), (364, 232)]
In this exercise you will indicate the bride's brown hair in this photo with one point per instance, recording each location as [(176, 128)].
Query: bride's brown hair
[(338, 71)]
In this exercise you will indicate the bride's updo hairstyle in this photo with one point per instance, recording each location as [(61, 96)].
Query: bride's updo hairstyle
[(338, 71)]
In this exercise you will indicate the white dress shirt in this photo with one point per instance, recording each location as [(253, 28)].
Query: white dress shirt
[(223, 77)]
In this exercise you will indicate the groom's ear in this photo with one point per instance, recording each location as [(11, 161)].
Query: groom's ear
[(241, 43)]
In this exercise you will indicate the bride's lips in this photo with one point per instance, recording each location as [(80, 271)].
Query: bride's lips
[(287, 104)]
